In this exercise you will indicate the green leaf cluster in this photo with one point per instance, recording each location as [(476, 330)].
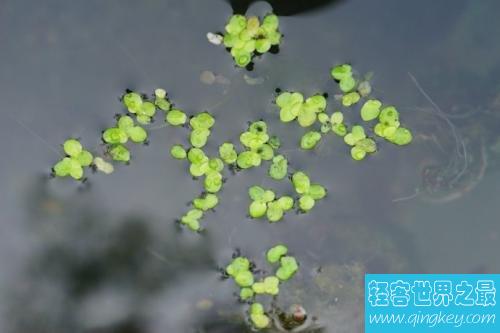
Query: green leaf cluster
[(265, 203), (246, 37), (309, 192), (293, 106), (75, 160)]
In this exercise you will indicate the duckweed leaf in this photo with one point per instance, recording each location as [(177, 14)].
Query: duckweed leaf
[(371, 109), (317, 192), (341, 71), (274, 211), (301, 182), (257, 209), (246, 294), (350, 98), (132, 101), (248, 159), (401, 137), (207, 202), (198, 137), (357, 153), (137, 134), (178, 152), (260, 321), (119, 153), (287, 269), (244, 279), (256, 193), (347, 84), (238, 265), (266, 152), (72, 147), (176, 117), (213, 181), (115, 135), (286, 203), (306, 203), (84, 158)]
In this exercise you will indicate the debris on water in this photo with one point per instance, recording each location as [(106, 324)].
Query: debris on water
[(204, 304), (207, 77), (253, 81), (220, 79), (215, 39)]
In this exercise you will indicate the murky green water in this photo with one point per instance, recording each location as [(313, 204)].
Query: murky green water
[(110, 259)]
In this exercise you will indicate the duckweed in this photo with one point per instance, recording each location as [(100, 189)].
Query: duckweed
[(264, 202), (144, 110), (309, 140), (275, 253), (292, 106), (287, 269), (75, 161), (389, 127), (178, 152), (350, 98), (227, 153), (251, 286), (246, 37), (371, 109), (309, 192), (279, 167), (206, 202), (361, 145), (176, 117), (191, 219)]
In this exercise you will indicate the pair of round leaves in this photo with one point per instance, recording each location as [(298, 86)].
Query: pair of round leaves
[(258, 317), (77, 158), (343, 74), (191, 219), (309, 140), (288, 268), (206, 202), (264, 203), (275, 253), (161, 100)]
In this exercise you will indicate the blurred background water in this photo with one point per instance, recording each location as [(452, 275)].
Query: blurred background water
[(107, 257)]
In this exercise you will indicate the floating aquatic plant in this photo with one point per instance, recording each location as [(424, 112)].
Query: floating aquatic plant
[(246, 37), (258, 144), (192, 219), (360, 143), (75, 161), (293, 107), (143, 109), (309, 192), (265, 203), (309, 140), (278, 168), (117, 136), (103, 166), (389, 128), (241, 270)]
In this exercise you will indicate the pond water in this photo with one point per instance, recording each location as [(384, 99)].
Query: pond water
[(108, 257)]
